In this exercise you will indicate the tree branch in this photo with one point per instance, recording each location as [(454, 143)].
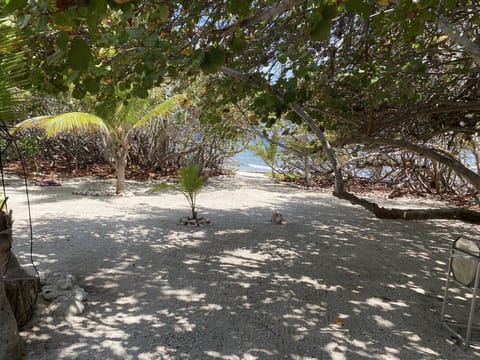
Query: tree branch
[(472, 177), (449, 108), (305, 116), (458, 37), (263, 15), (380, 212), (412, 214)]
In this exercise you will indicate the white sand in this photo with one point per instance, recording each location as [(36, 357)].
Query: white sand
[(332, 283)]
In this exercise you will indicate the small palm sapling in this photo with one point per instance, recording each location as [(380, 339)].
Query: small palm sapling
[(189, 182)]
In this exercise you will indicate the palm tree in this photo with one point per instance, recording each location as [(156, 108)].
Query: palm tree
[(117, 129), (190, 181)]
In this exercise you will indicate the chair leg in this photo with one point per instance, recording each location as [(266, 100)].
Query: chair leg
[(472, 307), (445, 294)]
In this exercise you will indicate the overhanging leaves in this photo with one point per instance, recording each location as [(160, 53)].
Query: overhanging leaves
[(79, 55), (213, 60)]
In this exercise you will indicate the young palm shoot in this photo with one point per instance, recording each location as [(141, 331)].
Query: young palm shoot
[(190, 181)]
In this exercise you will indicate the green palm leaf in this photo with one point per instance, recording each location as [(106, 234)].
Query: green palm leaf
[(12, 72), (73, 122), (129, 113), (159, 110), (191, 179)]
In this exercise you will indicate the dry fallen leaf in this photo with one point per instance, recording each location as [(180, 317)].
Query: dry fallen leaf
[(442, 38)]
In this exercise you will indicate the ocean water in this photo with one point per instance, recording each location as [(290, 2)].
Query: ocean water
[(248, 161)]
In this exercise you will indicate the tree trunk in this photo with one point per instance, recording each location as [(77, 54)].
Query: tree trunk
[(22, 294), (455, 213), (10, 345), (120, 186), (471, 176), (436, 176), (413, 214), (121, 153), (308, 175), (21, 288), (331, 156), (476, 155), (22, 291)]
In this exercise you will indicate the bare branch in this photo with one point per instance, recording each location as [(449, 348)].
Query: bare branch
[(457, 36), (264, 15), (460, 38), (430, 153), (449, 108)]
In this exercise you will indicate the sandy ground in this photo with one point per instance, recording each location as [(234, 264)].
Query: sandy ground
[(331, 283)]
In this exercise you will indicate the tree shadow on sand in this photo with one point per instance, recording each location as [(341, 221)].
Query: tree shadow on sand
[(332, 283)]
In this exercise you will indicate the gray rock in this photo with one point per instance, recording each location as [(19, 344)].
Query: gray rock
[(66, 299)]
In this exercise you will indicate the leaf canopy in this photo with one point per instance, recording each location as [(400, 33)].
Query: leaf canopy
[(12, 72)]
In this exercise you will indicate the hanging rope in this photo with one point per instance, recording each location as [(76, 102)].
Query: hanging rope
[(8, 141)]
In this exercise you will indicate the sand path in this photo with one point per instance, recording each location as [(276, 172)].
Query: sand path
[(332, 283)]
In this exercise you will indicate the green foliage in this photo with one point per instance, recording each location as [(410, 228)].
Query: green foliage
[(361, 7), (13, 5), (268, 151), (160, 109), (190, 181), (79, 55), (239, 7), (359, 67), (12, 72), (118, 125), (163, 12), (213, 60), (74, 122), (28, 147)]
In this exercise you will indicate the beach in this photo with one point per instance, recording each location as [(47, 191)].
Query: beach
[(332, 282)]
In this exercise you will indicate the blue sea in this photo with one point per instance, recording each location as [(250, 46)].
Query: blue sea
[(248, 161)]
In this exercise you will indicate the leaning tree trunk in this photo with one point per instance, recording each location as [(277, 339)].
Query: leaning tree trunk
[(380, 212), (10, 345), (413, 214)]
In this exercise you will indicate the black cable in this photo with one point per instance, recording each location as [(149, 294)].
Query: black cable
[(10, 140), (27, 194), (5, 198)]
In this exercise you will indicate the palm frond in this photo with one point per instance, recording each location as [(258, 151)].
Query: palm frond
[(159, 110), (35, 122), (12, 72), (73, 122), (133, 110), (163, 187), (191, 179)]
